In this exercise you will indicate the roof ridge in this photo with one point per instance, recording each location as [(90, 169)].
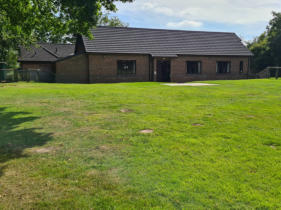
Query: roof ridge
[(47, 50), (55, 43), (161, 29)]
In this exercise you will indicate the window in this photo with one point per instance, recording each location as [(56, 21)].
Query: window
[(241, 67), (223, 67), (193, 67), (126, 67)]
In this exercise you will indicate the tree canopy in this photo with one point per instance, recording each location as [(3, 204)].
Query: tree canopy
[(105, 20), (24, 22), (267, 47)]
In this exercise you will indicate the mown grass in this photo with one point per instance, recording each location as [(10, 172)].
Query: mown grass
[(70, 146)]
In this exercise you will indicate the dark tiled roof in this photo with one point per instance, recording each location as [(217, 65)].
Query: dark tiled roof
[(46, 52), (166, 43)]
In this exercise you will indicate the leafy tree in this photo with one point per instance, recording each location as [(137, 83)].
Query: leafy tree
[(105, 20), (24, 22), (262, 54), (11, 58), (267, 47), (274, 37)]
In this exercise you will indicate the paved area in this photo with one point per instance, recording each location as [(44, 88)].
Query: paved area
[(189, 84)]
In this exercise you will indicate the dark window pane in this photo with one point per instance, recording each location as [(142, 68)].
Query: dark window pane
[(126, 67), (223, 67), (193, 67), (241, 66)]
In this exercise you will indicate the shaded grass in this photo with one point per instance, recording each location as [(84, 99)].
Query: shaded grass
[(211, 147)]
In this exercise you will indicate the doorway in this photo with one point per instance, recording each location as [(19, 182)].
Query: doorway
[(163, 71)]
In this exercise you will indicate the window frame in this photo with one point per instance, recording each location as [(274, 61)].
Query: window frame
[(126, 74), (199, 67), (241, 67), (217, 67)]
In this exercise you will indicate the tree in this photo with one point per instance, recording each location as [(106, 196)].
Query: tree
[(11, 58), (267, 47), (24, 22), (274, 37), (262, 54), (105, 20)]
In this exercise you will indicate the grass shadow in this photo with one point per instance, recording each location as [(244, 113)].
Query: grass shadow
[(14, 140)]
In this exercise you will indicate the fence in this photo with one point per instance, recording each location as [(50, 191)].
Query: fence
[(36, 75), (7, 75), (274, 72), (269, 72)]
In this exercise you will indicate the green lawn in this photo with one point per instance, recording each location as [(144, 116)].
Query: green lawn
[(70, 147)]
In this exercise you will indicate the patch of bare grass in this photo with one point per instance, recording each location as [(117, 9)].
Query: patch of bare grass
[(273, 145), (250, 116), (126, 110), (43, 150), (74, 132), (107, 178), (197, 125), (68, 106), (60, 122), (147, 131), (93, 173)]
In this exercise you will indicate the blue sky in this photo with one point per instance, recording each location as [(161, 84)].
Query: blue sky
[(247, 18)]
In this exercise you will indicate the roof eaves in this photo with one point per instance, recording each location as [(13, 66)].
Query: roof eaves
[(67, 57), (164, 55), (30, 60)]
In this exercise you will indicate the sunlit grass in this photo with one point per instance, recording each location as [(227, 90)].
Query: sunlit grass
[(80, 146)]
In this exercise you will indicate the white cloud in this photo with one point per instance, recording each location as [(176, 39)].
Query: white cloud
[(221, 11), (184, 23), (160, 10)]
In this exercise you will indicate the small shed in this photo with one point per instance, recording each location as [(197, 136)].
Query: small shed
[(43, 57)]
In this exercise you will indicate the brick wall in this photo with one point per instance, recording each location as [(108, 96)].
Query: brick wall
[(103, 68), (73, 69), (208, 69), (49, 67)]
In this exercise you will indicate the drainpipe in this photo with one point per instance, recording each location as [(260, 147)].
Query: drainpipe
[(249, 66), (89, 74), (154, 69)]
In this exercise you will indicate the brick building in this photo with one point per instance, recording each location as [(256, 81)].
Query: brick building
[(140, 55), (44, 56)]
